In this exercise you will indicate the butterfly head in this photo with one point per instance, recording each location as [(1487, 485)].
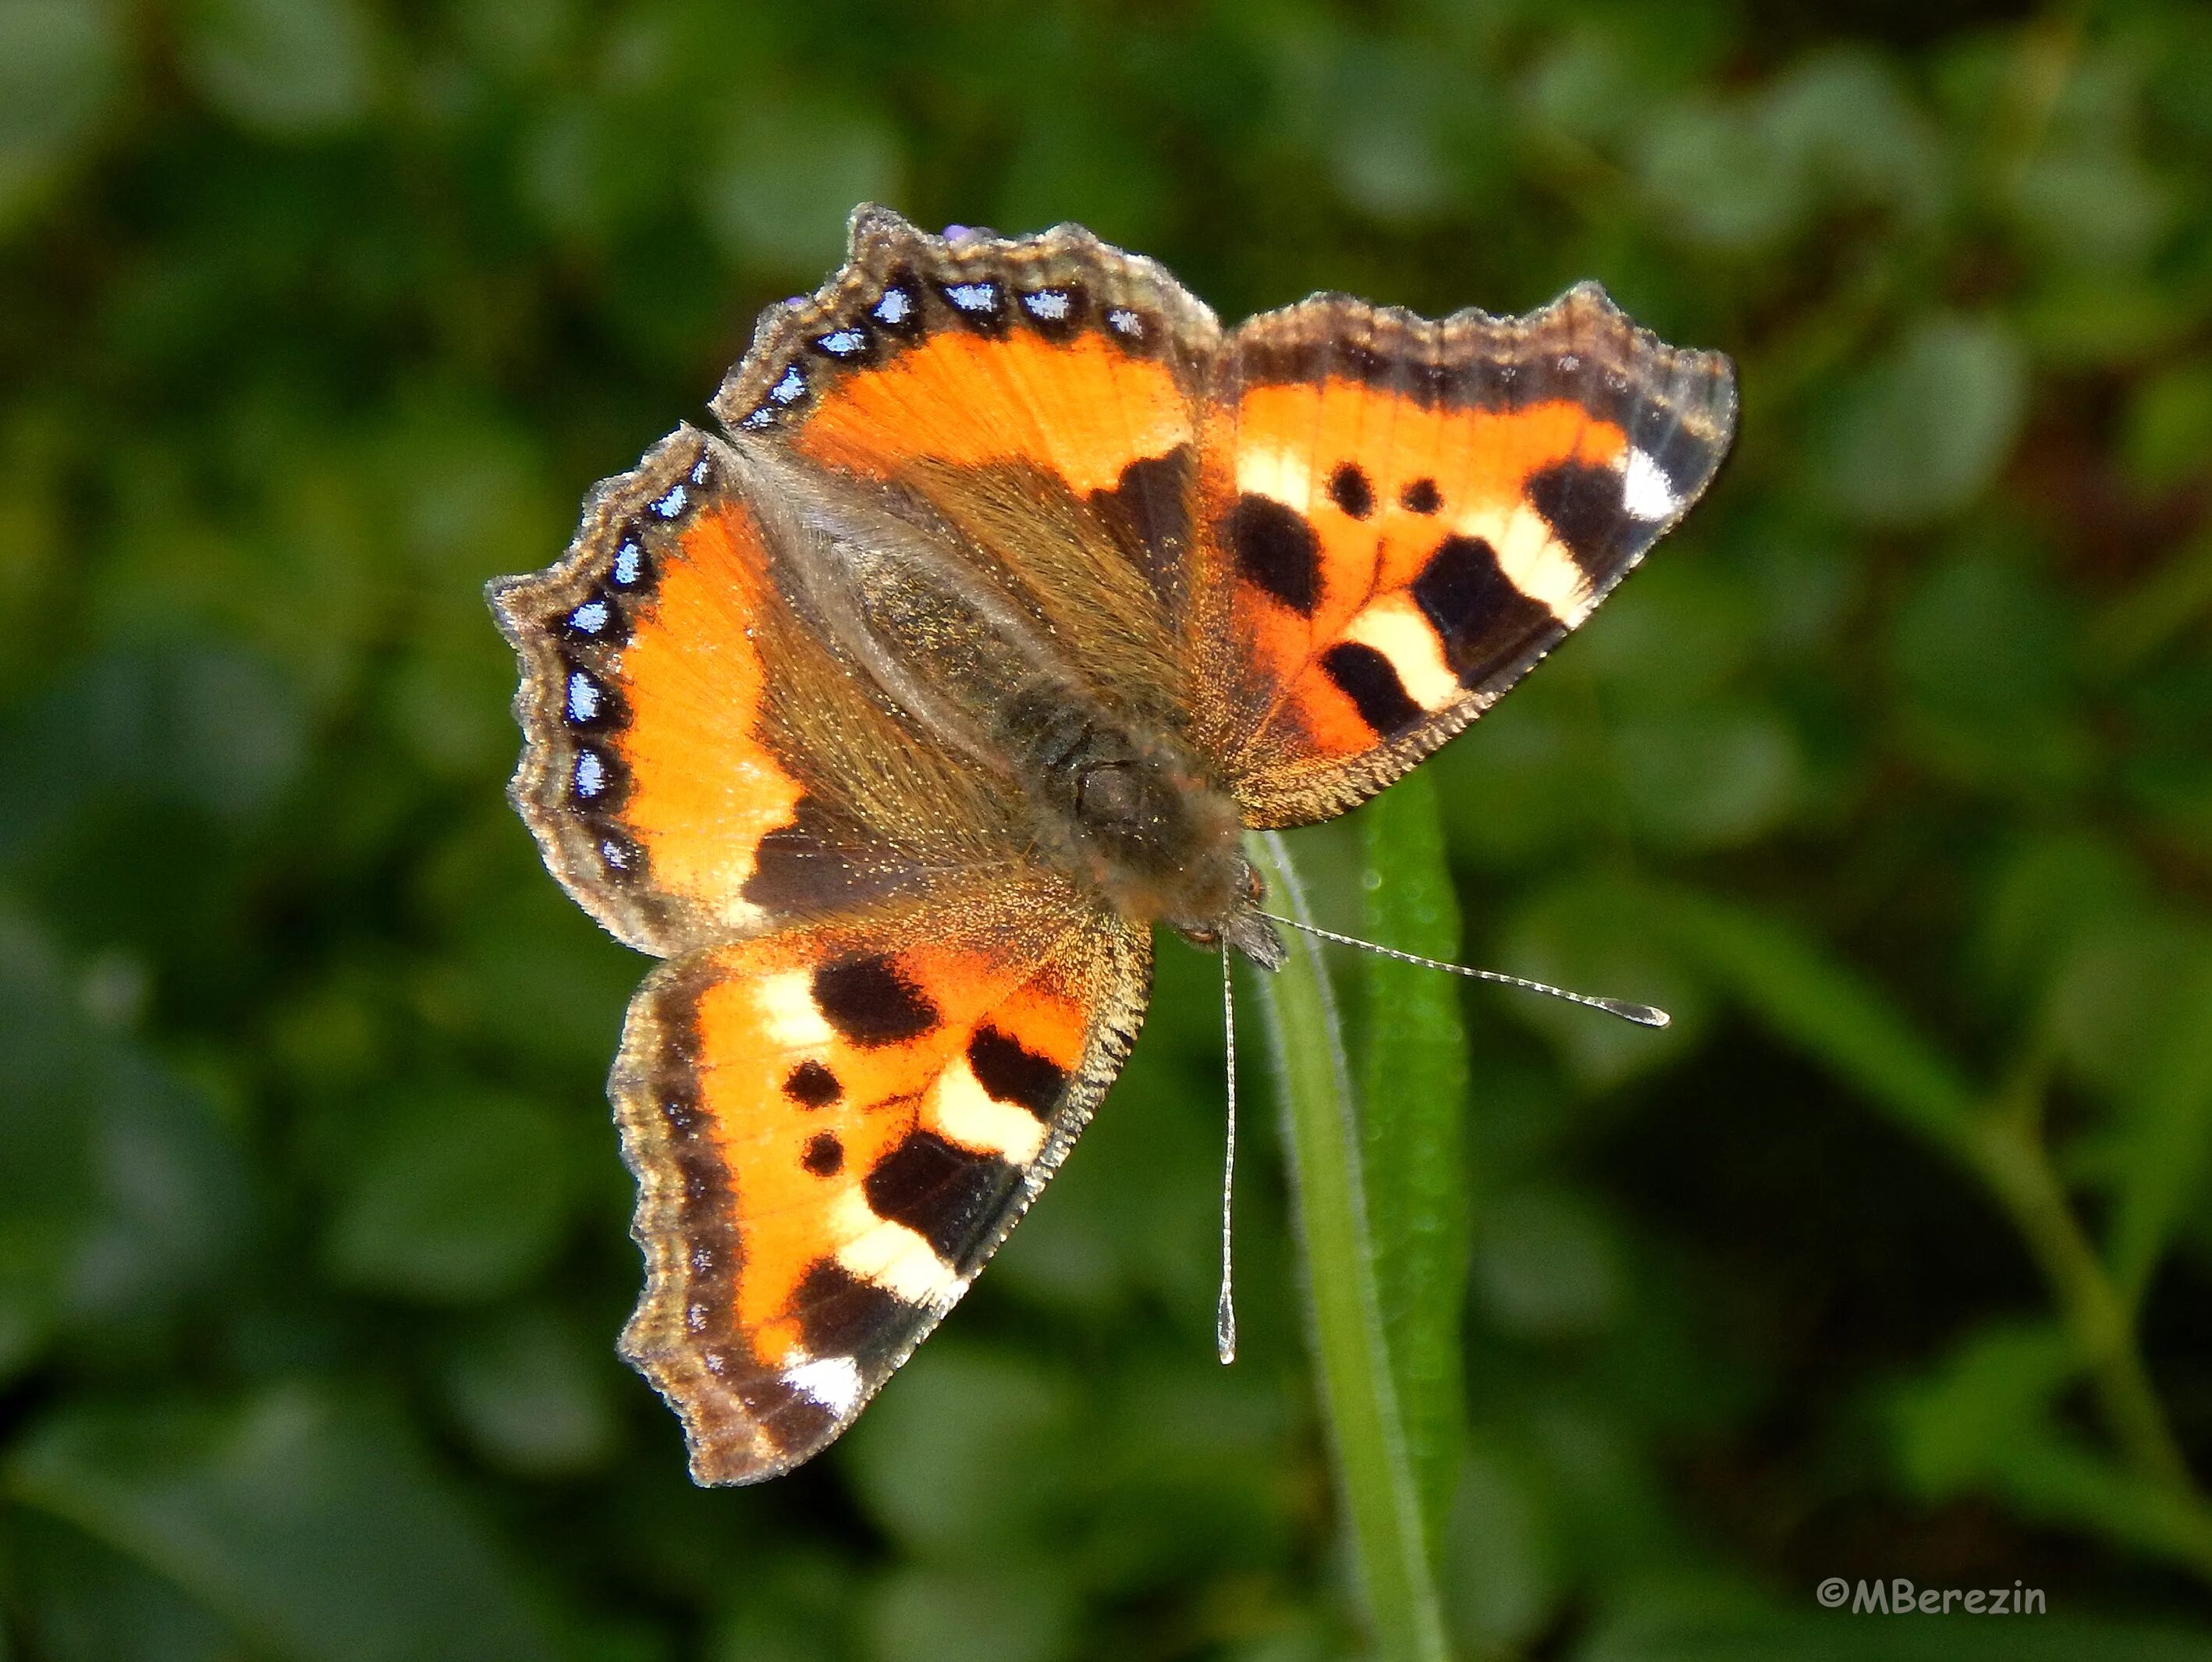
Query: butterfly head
[(1160, 841), (1245, 928)]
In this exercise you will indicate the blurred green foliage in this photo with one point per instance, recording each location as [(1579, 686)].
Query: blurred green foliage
[(1890, 777)]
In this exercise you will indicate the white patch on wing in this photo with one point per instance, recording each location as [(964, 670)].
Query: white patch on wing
[(788, 1009), (832, 1381), (1533, 560), (971, 1117), (1646, 492), (1281, 475), (888, 1255), (1395, 627)]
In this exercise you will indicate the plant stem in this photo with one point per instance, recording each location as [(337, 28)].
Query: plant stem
[(2011, 1159), (1359, 1395)]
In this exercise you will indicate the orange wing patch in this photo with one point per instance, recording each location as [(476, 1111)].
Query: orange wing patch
[(672, 705), (699, 789), (645, 776), (1084, 410), (1403, 516), (1055, 353), (830, 1137)]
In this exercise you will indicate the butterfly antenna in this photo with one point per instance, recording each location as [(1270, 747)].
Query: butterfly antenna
[(1224, 1314), (1644, 1015)]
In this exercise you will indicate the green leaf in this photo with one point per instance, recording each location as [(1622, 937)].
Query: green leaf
[(82, 1601), (1502, 1568), (1984, 653), (311, 1523), (1987, 1421), (120, 1192), (1360, 1394), (1546, 1267), (989, 1614), (780, 187), (532, 1391), (459, 1194), (1413, 1140), (1590, 932), (286, 68), (60, 64), (2168, 438), (1826, 1009), (1923, 430), (2163, 1144), (928, 1461)]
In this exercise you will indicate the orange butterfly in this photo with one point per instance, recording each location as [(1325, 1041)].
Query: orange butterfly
[(1014, 590)]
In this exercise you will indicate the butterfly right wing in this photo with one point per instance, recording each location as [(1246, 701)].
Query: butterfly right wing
[(833, 1127)]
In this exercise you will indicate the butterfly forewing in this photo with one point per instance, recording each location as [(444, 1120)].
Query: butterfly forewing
[(1400, 517)]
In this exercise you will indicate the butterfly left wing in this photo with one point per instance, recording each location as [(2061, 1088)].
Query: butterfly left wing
[(832, 1129), (699, 763), (1400, 517)]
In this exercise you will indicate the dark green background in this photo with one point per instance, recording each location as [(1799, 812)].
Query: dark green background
[(1891, 777)]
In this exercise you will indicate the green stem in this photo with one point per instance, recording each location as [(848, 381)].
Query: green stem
[(1358, 1395), (2011, 1159)]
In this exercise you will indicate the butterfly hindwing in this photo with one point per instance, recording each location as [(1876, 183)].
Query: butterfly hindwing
[(1401, 517), (832, 1129)]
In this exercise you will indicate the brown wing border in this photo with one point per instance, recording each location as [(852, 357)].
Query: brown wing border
[(573, 618), (850, 324)]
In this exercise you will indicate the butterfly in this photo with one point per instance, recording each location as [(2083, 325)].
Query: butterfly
[(894, 715)]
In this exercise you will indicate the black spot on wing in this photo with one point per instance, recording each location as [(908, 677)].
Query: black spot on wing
[(978, 301), (943, 1192), (814, 863), (1013, 1073), (621, 856), (825, 1154), (1582, 504), (1349, 489), (840, 1314), (869, 1002), (1058, 313), (897, 305), (1483, 620), (1148, 513), (795, 1422), (599, 783), (1366, 677), (1276, 551), (1420, 496), (597, 618), (811, 1085), (589, 703)]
